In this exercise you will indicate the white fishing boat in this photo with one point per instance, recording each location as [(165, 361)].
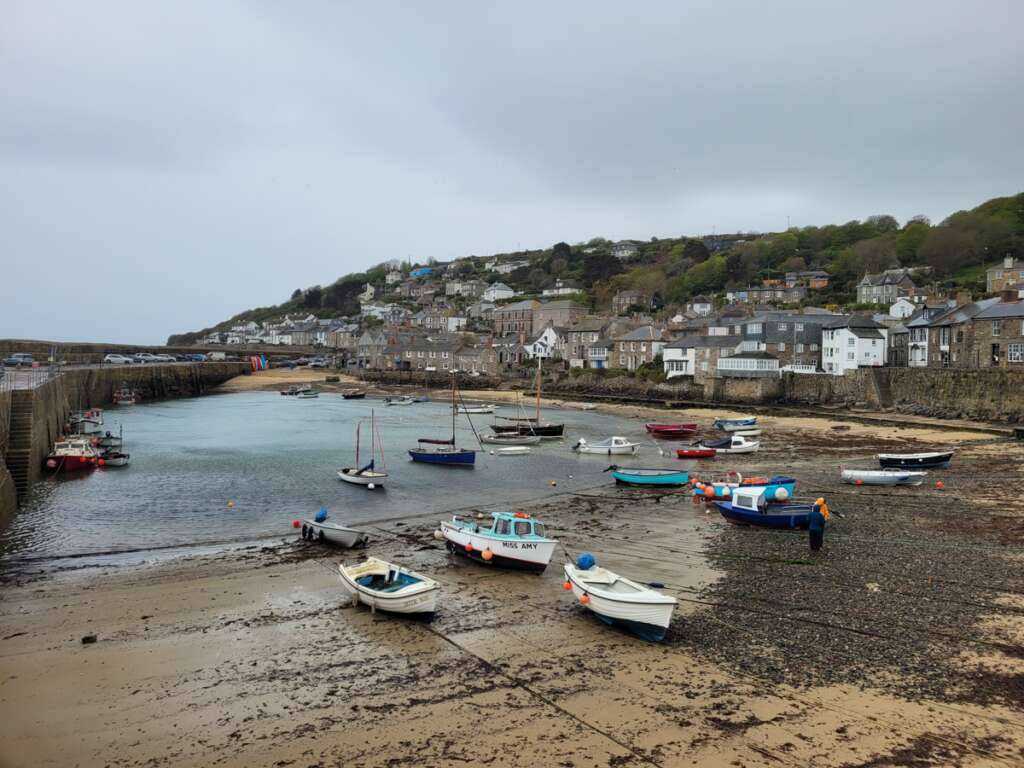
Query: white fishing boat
[(617, 600), (731, 444), (111, 457), (510, 540), (125, 396), (471, 409), (109, 440), (883, 477), (612, 446), (307, 394), (389, 587), (367, 476), (513, 450), (735, 425), (86, 422), (403, 400), (510, 438), (325, 531)]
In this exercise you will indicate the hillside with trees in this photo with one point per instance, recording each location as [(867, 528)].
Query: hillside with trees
[(953, 253)]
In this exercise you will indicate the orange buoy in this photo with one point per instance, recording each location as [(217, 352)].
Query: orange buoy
[(939, 484), (521, 514), (859, 482), (102, 462), (584, 599), (296, 524), (487, 554), (469, 547), (567, 586)]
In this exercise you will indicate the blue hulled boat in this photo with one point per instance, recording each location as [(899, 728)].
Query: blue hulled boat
[(776, 488), (749, 507), (649, 477), (442, 452)]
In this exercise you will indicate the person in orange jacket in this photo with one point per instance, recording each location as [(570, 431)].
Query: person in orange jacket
[(816, 523)]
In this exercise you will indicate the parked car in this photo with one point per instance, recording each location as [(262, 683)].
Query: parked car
[(319, 362), (118, 360), (19, 358), (164, 359), (144, 357), (197, 357)]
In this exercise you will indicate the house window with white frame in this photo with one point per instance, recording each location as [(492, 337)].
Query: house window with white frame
[(1015, 353), (997, 327)]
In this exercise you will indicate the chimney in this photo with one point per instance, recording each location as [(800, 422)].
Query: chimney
[(963, 298), (1008, 261), (1008, 294)]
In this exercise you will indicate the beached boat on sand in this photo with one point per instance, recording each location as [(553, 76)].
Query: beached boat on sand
[(776, 487), (696, 453), (732, 444), (511, 540), (671, 431), (883, 476), (732, 425), (389, 587), (506, 438), (619, 601), (750, 507), (932, 460), (323, 530)]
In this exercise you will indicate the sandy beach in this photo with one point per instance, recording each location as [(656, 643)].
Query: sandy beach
[(902, 643)]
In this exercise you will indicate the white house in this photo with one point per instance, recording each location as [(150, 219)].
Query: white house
[(510, 266), (498, 292), (562, 288), (902, 308), (368, 293), (701, 306), (393, 277), (543, 346), (455, 324), (678, 358), (625, 249), (853, 342)]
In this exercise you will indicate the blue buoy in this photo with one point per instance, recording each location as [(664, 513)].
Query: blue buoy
[(321, 515), (585, 561)]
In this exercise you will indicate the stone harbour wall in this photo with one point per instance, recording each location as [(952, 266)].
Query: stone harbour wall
[(8, 496)]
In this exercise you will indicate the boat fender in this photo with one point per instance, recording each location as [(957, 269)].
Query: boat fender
[(584, 599), (305, 533), (296, 524), (321, 537), (939, 484), (567, 586), (487, 555), (469, 546), (438, 535), (585, 561), (321, 515), (781, 493)]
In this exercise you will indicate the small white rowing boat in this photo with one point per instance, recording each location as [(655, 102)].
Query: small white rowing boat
[(513, 450), (476, 409), (333, 533), (883, 477), (612, 446), (617, 600), (389, 587), (507, 438), (747, 432)]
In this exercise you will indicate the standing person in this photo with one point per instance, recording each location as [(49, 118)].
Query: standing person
[(816, 523)]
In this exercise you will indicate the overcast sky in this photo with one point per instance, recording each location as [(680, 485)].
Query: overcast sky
[(164, 165)]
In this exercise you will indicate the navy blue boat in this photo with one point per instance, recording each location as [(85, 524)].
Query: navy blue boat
[(751, 508), (934, 460), (445, 452)]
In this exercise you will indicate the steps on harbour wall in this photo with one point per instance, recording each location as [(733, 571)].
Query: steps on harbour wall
[(19, 444)]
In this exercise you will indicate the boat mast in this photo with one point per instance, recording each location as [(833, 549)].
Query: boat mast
[(359, 424), (538, 390), (454, 410), (373, 438)]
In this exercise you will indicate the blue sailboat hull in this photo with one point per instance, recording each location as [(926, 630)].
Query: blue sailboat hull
[(449, 458), (776, 516)]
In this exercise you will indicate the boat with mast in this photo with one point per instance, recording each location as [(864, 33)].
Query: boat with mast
[(435, 451), (368, 476), (530, 425)]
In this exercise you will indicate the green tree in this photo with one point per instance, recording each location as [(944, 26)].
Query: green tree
[(946, 249), (312, 298), (598, 267), (908, 241)]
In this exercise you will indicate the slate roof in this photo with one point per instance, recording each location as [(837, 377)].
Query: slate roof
[(1001, 309)]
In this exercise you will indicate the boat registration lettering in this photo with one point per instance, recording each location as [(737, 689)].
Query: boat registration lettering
[(518, 545)]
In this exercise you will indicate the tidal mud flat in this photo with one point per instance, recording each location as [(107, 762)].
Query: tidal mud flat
[(902, 643)]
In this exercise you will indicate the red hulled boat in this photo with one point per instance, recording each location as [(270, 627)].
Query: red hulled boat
[(696, 453), (670, 431), (73, 455)]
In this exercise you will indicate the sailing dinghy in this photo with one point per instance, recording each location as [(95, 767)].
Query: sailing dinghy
[(368, 476)]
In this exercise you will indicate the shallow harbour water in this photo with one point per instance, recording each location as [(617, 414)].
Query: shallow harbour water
[(275, 459)]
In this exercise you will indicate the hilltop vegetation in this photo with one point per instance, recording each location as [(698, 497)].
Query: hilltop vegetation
[(673, 270)]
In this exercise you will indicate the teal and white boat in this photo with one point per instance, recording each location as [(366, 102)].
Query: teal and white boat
[(649, 477), (512, 540)]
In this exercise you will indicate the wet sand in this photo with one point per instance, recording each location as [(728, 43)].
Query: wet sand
[(899, 644)]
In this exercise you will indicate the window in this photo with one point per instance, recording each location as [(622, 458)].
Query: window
[(538, 529), (997, 326), (849, 356), (502, 527), (799, 327), (1015, 353), (851, 342), (753, 328), (783, 326), (799, 348), (782, 346)]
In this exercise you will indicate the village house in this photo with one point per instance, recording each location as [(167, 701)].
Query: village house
[(638, 347), (478, 359), (344, 336), (508, 350), (853, 342), (902, 308), (427, 353), (814, 280), (775, 293), (899, 346), (707, 351), (748, 364), (393, 277), (481, 310), (471, 288), (792, 338), (517, 318), (918, 334), (544, 345), (599, 353), (701, 306), (886, 287), (561, 313), (951, 342), (997, 334), (579, 336), (369, 347), (368, 293), (507, 267), (624, 301), (625, 249), (498, 292), (562, 288), (1008, 273)]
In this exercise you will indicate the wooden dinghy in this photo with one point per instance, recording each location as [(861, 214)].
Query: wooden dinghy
[(388, 587), (883, 476)]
